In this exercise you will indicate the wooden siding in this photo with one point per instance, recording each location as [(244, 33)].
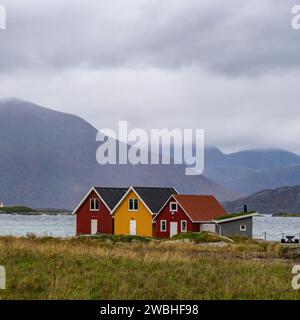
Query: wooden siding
[(84, 217), (179, 216), (142, 216)]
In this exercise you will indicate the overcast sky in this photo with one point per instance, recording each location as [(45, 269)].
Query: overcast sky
[(231, 67)]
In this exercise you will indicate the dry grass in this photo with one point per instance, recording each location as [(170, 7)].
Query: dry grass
[(91, 269)]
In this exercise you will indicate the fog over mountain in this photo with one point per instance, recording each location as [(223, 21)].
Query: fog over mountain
[(48, 159), (229, 67), (253, 170)]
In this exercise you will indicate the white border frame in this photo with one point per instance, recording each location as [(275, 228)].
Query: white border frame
[(170, 207), (186, 225), (133, 210), (243, 225), (161, 221), (94, 210)]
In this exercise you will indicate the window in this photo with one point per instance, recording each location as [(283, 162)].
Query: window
[(163, 225), (243, 227), (94, 204), (183, 226), (173, 207), (133, 205)]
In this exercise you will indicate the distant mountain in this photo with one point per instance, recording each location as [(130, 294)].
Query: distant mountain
[(252, 159), (48, 159), (247, 181), (284, 199), (250, 171)]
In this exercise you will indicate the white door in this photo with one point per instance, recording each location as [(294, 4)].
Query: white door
[(173, 229), (94, 226), (133, 227)]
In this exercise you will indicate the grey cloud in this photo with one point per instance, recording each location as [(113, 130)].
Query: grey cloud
[(236, 113), (232, 37), (231, 67)]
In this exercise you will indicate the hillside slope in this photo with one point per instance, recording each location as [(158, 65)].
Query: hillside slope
[(251, 159), (48, 159), (284, 199)]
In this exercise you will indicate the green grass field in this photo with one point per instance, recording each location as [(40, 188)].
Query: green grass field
[(85, 268)]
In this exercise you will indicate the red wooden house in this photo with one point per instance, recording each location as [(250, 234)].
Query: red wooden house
[(187, 213), (93, 213)]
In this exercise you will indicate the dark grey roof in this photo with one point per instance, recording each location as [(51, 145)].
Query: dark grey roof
[(111, 196), (155, 197)]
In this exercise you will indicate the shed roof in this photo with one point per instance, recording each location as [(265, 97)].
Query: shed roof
[(154, 197), (111, 196), (200, 207)]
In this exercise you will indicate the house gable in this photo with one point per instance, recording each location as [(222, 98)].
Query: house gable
[(154, 197), (87, 196), (123, 216), (166, 207), (106, 198), (166, 216), (84, 216)]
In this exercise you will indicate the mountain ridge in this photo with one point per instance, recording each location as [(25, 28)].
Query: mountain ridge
[(42, 149), (280, 200), (252, 159), (48, 159)]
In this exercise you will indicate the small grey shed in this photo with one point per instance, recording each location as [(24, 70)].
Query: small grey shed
[(236, 226)]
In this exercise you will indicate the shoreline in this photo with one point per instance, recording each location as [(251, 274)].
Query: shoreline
[(39, 213)]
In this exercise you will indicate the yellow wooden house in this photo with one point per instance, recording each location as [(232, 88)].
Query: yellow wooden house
[(133, 215)]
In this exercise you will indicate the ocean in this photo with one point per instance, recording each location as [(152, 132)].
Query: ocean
[(64, 226)]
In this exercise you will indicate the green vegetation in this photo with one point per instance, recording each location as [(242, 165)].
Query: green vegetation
[(87, 268), (114, 238), (198, 237), (285, 214), (22, 210), (16, 209), (53, 211), (234, 215)]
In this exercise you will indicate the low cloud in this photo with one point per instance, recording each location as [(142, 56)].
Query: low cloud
[(230, 67), (232, 37), (236, 113)]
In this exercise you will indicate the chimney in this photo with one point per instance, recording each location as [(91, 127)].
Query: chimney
[(245, 208)]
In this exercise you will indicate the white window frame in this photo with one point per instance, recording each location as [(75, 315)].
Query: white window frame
[(243, 227), (161, 222), (171, 203), (134, 201), (185, 225), (94, 200)]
